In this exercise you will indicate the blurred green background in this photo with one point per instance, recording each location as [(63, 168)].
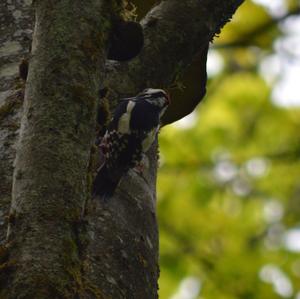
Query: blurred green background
[(228, 186)]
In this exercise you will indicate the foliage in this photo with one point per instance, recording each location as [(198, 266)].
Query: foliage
[(228, 188)]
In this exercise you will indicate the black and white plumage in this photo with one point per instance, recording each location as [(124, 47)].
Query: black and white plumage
[(130, 133)]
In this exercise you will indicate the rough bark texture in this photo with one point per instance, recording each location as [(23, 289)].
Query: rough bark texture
[(50, 177), (123, 250), (15, 38), (53, 250)]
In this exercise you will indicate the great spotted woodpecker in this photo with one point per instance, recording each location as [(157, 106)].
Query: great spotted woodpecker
[(131, 132)]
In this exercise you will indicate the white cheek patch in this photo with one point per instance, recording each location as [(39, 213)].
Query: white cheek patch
[(124, 122), (158, 102)]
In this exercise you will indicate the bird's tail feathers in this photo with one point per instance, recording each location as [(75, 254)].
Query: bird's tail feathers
[(104, 187)]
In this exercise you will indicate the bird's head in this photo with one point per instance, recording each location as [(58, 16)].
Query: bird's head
[(156, 97)]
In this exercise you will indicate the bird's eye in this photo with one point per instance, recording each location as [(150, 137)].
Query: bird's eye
[(161, 94)]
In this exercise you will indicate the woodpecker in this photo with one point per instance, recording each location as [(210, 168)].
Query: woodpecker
[(130, 134)]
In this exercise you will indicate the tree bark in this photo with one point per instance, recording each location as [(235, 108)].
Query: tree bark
[(15, 39), (56, 248), (57, 132)]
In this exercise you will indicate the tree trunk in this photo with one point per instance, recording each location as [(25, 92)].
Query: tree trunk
[(59, 243)]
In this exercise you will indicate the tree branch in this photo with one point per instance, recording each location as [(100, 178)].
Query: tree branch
[(247, 38)]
